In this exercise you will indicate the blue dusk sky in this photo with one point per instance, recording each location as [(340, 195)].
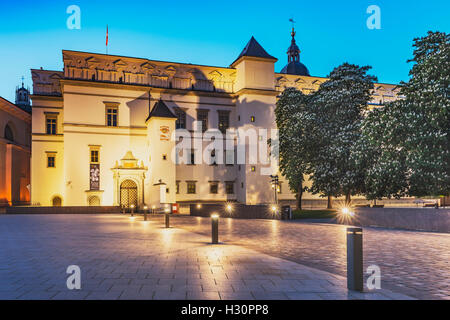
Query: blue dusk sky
[(33, 33)]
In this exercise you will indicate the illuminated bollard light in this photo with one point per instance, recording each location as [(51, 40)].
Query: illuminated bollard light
[(355, 259), (145, 213), (215, 228), (167, 212), (132, 210)]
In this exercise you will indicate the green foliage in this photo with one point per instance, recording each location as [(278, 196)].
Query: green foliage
[(337, 109), (293, 122)]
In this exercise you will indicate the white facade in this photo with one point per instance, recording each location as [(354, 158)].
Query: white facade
[(135, 149)]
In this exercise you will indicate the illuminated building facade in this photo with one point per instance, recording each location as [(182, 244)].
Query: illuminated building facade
[(15, 149), (102, 127)]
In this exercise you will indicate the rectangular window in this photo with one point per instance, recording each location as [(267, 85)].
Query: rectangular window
[(213, 187), (181, 119), (94, 156), (51, 163), (229, 187), (191, 187), (252, 118), (112, 116), (202, 115), (50, 123), (224, 121)]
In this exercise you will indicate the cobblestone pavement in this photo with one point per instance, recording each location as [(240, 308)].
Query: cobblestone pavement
[(123, 258), (414, 263)]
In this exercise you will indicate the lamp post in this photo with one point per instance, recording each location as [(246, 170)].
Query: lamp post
[(275, 183), (145, 213), (167, 218), (215, 228), (132, 210), (355, 259)]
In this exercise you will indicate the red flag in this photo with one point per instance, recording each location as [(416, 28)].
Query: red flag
[(106, 34)]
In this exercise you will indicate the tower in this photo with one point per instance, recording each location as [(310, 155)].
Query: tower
[(294, 65), (23, 98)]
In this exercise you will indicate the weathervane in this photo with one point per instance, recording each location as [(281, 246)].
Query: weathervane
[(293, 22)]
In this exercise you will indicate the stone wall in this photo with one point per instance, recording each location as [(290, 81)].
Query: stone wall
[(61, 210), (239, 211), (421, 219)]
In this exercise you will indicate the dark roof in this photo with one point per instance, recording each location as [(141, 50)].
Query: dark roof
[(254, 49), (295, 67), (161, 110)]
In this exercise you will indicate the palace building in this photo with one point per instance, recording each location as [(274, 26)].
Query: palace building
[(101, 128), (15, 149)]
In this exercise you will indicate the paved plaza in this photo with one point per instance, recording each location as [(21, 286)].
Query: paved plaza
[(125, 258)]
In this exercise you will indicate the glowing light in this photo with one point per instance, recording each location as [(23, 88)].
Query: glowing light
[(274, 208), (199, 206), (214, 216), (167, 210), (345, 210), (132, 206), (145, 208), (153, 207), (229, 207)]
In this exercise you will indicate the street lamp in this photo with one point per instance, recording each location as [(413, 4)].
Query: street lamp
[(145, 213), (275, 186), (215, 228)]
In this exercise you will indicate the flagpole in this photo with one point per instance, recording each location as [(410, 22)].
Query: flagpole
[(106, 39)]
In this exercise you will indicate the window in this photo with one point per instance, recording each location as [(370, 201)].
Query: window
[(50, 122), (229, 187), (252, 118), (192, 160), (51, 163), (181, 119), (164, 156), (213, 187), (191, 187), (9, 133), (202, 115), (112, 116), (213, 160), (94, 156), (253, 169), (224, 121)]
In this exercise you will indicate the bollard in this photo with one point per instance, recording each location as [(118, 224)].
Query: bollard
[(167, 220), (145, 213), (355, 259), (215, 228), (132, 210)]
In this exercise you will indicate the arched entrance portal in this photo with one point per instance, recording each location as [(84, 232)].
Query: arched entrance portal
[(128, 193)]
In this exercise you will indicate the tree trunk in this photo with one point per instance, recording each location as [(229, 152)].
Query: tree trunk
[(299, 196), (375, 202), (329, 204), (347, 199)]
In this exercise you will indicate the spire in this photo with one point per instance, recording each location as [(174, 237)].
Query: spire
[(293, 51), (254, 49)]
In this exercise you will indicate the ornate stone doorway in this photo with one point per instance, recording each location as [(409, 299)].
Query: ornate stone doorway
[(128, 194), (129, 178)]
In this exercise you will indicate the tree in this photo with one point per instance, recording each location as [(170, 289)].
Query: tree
[(293, 121), (337, 109), (379, 153), (426, 112)]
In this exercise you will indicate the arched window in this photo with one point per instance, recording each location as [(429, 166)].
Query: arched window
[(9, 133), (57, 201)]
